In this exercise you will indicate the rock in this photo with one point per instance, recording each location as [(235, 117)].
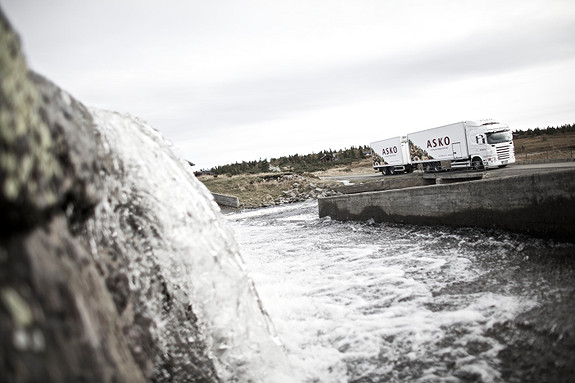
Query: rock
[(31, 177), (58, 320), (95, 284), (72, 333)]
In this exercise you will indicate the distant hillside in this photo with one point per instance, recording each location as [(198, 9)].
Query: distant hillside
[(256, 190), (538, 143), (545, 144)]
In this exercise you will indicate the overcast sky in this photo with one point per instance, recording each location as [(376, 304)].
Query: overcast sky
[(233, 80)]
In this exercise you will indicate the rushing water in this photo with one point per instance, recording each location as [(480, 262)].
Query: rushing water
[(191, 293), (366, 302)]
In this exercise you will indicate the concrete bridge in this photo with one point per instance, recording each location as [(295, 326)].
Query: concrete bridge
[(540, 202)]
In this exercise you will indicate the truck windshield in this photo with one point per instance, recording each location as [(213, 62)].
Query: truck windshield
[(499, 137)]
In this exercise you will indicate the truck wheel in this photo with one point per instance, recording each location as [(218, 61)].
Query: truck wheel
[(476, 163)]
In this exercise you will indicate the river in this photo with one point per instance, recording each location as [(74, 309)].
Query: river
[(366, 302)]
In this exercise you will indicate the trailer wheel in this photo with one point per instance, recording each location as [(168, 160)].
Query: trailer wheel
[(427, 168), (391, 170), (383, 171), (476, 163)]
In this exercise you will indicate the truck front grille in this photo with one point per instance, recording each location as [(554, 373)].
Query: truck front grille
[(503, 152)]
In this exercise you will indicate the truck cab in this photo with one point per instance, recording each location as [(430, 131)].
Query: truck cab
[(490, 144)]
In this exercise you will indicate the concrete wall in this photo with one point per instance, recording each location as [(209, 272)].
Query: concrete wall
[(541, 204), (389, 183), (410, 180), (226, 200)]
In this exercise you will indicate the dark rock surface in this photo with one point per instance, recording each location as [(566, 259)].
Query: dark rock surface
[(56, 316), (31, 176), (74, 307)]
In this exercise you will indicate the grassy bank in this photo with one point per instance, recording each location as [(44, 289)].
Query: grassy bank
[(545, 147)]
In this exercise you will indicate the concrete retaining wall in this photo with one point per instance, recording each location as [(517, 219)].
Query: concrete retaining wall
[(407, 181), (385, 184), (226, 200), (541, 204)]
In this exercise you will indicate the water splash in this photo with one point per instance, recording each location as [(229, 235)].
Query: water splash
[(160, 224)]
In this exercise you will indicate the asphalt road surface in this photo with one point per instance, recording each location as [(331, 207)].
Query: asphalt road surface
[(510, 170)]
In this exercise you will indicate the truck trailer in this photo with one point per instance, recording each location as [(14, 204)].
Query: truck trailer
[(391, 156), (474, 145)]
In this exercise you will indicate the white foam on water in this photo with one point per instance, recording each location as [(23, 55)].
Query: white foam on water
[(357, 300)]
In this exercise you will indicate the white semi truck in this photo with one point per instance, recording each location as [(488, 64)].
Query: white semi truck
[(469, 144)]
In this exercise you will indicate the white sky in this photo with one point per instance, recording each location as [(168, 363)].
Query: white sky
[(234, 80)]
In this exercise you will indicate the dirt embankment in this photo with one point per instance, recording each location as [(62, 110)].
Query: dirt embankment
[(268, 189)]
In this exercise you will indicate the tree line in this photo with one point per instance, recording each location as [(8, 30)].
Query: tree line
[(296, 163), (548, 130)]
